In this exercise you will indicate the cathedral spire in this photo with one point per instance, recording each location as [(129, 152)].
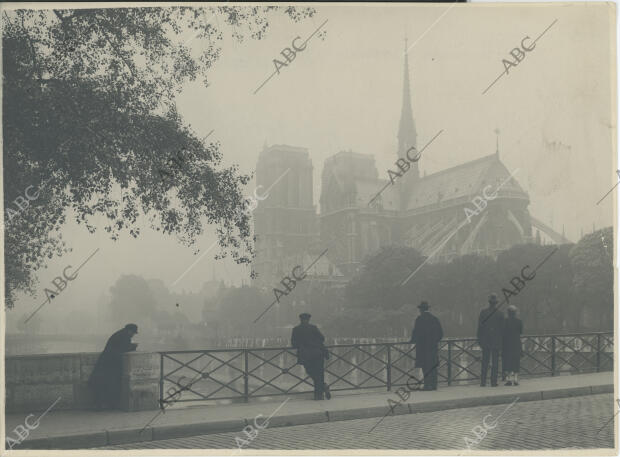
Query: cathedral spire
[(407, 135), (407, 138)]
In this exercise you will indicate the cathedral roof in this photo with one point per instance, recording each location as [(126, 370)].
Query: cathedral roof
[(367, 190), (465, 182), (459, 184)]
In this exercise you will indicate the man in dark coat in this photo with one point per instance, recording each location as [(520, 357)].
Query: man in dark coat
[(105, 380), (426, 334), (490, 330), (311, 353)]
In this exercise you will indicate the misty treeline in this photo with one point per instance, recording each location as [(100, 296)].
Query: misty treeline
[(572, 291), (162, 313)]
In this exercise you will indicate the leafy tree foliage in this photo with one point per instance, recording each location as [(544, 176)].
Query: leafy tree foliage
[(90, 122), (378, 285), (132, 300), (592, 261), (544, 302), (238, 307)]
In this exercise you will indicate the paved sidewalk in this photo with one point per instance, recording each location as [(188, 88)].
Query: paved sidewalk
[(88, 429), (560, 424)]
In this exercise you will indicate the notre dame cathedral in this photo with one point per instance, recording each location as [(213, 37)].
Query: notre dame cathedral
[(423, 212)]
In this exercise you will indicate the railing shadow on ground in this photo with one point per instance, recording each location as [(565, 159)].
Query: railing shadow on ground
[(241, 374)]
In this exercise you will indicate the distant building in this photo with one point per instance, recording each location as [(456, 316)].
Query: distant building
[(423, 212)]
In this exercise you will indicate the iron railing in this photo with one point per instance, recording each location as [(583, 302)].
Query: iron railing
[(239, 374)]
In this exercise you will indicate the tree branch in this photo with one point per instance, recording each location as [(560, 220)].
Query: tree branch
[(35, 65), (114, 47)]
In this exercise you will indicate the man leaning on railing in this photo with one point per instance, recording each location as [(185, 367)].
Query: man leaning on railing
[(311, 353), (105, 380)]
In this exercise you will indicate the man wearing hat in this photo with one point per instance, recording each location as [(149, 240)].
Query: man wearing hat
[(426, 334), (311, 353), (490, 331), (105, 380)]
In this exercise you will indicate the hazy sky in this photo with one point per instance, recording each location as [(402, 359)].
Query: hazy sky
[(554, 111)]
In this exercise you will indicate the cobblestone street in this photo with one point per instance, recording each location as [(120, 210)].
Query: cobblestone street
[(572, 422)]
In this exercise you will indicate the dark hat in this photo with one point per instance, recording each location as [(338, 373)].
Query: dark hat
[(305, 316), (132, 327), (493, 299), (424, 306)]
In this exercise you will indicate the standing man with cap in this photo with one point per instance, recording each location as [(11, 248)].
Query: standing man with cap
[(105, 380), (311, 353), (490, 333), (426, 334)]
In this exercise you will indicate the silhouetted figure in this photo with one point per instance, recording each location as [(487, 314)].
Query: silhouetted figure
[(311, 353), (105, 381), (511, 346), (426, 334), (490, 331)]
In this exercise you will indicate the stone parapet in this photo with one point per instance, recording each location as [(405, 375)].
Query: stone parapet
[(34, 382), (140, 381)]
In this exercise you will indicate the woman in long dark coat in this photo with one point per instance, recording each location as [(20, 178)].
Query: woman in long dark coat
[(511, 346), (105, 380)]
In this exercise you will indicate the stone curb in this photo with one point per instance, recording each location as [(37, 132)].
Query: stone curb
[(290, 419), (164, 432), (115, 437)]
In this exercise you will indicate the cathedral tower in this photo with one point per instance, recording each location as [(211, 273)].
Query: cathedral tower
[(285, 223)]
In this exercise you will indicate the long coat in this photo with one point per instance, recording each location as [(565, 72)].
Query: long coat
[(490, 328), (105, 380), (308, 340), (511, 347), (426, 334)]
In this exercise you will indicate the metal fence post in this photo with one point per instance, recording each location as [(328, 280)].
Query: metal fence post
[(553, 356), (449, 362), (161, 380), (246, 389), (389, 367), (598, 352)]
